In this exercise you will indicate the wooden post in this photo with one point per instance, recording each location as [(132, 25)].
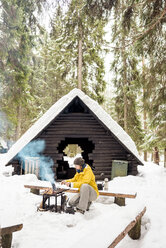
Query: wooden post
[(127, 229), (26, 166), (7, 240), (119, 201), (37, 169), (32, 166), (35, 191), (135, 232), (6, 234)]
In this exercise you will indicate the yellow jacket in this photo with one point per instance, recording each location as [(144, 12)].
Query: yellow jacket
[(86, 176)]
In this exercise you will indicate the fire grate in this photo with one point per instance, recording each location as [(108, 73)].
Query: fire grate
[(55, 207)]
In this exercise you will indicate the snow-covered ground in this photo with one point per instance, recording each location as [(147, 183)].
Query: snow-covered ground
[(96, 228)]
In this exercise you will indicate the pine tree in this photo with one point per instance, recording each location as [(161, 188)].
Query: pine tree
[(127, 78), (17, 41), (77, 52), (151, 45)]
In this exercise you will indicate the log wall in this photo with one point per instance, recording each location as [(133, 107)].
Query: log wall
[(82, 126), (76, 124)]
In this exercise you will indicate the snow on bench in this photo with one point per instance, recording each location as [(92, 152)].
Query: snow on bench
[(113, 228)]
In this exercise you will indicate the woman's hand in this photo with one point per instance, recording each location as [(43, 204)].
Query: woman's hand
[(68, 184)]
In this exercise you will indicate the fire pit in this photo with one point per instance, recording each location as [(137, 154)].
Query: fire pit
[(56, 193), (55, 207)]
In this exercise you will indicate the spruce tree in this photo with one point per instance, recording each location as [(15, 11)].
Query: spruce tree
[(78, 54), (151, 45), (17, 26), (127, 78)]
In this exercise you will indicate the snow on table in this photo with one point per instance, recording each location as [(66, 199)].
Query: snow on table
[(108, 225), (97, 227)]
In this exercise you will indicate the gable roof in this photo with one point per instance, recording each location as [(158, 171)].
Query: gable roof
[(53, 112)]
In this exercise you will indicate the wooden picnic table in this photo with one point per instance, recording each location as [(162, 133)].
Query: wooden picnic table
[(133, 229), (119, 197)]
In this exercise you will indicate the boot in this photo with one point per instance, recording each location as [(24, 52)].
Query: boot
[(89, 204)]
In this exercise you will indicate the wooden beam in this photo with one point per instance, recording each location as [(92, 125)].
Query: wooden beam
[(6, 233), (102, 193), (11, 229), (36, 187), (127, 229), (117, 194)]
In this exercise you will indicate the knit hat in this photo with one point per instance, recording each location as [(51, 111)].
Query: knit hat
[(79, 161)]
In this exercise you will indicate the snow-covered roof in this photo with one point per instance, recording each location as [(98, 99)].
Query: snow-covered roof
[(53, 111)]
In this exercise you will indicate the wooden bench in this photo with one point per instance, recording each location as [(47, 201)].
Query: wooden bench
[(6, 234), (119, 197), (111, 238), (133, 229)]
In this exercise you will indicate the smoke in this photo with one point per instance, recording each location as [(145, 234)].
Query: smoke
[(34, 150)]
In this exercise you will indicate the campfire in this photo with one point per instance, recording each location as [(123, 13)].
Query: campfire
[(57, 194), (55, 200)]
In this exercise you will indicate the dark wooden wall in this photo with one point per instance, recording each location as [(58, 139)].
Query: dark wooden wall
[(77, 122), (84, 125)]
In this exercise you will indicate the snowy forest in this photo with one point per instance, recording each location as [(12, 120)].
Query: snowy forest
[(82, 123), (114, 51)]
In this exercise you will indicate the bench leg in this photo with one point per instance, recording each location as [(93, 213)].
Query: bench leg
[(135, 232), (119, 201), (7, 240), (35, 191)]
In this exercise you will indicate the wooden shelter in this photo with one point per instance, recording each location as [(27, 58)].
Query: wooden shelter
[(77, 119)]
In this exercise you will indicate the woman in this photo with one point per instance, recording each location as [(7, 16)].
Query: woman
[(84, 180)]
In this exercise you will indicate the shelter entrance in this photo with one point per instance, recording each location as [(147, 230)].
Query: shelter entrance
[(71, 148)]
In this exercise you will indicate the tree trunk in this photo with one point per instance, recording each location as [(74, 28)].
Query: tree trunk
[(80, 61), (144, 97), (80, 39), (145, 127), (165, 157), (18, 128), (124, 84), (152, 155), (125, 112), (156, 155), (145, 156)]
